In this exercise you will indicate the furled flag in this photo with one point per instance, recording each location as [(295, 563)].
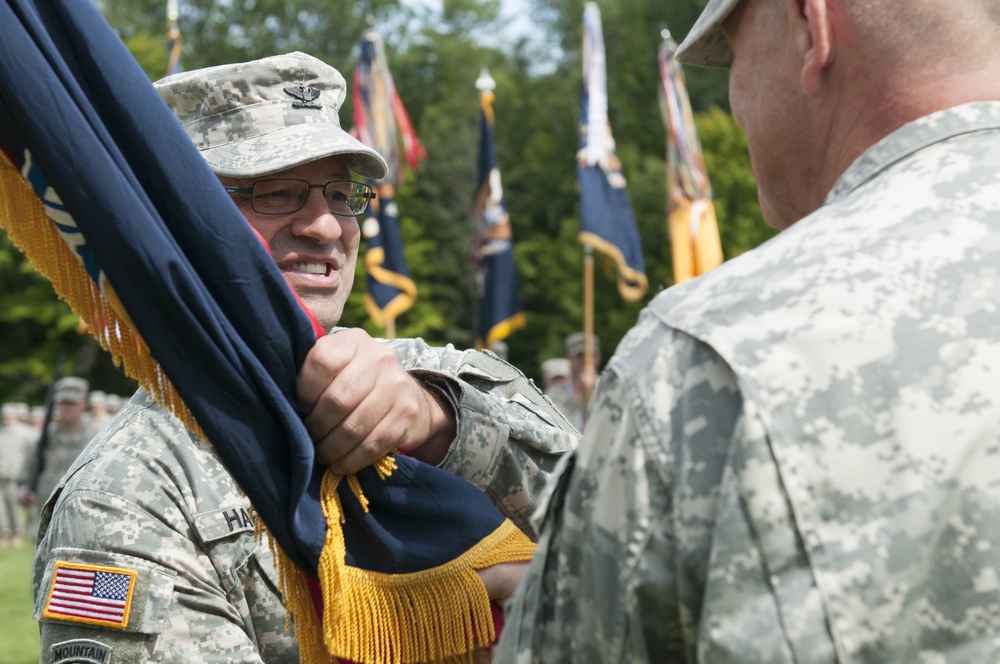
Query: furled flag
[(381, 122), (694, 235), (124, 219), (173, 39), (496, 275), (607, 222)]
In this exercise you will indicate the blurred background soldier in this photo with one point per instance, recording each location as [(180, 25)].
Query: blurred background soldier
[(114, 404), (71, 429), (17, 439), (97, 403), (36, 417), (584, 376), (557, 382)]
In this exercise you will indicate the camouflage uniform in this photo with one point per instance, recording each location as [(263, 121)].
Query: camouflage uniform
[(796, 458), (61, 449), (16, 443), (149, 497)]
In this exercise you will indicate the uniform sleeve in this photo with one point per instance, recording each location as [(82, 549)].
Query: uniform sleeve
[(625, 542), (173, 605), (509, 436), (153, 522)]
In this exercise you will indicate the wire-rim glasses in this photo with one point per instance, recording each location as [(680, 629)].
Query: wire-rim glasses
[(345, 198)]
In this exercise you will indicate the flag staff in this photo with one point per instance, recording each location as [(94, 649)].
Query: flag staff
[(588, 318), (173, 38)]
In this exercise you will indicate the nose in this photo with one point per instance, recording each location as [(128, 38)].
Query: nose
[(315, 221)]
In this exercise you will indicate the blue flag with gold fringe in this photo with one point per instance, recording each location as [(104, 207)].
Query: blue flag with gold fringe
[(500, 311), (106, 194), (381, 122), (695, 245), (607, 222)]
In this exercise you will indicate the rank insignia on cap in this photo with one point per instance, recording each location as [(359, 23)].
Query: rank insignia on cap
[(306, 97), (90, 594)]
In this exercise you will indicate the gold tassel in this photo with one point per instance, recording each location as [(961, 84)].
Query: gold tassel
[(435, 616), (23, 214)]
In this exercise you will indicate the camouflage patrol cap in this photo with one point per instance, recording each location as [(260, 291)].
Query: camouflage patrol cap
[(264, 116), (71, 389), (705, 45), (556, 367)]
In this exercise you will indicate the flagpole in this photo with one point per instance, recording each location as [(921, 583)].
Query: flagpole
[(173, 37), (588, 318)]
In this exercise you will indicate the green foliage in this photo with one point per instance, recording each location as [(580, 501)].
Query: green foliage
[(18, 632), (435, 60)]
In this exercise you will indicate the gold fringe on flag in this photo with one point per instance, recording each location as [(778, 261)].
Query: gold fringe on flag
[(437, 615), (440, 615), (97, 306)]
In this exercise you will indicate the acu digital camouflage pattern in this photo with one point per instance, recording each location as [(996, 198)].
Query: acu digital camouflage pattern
[(267, 115), (17, 442), (796, 457), (147, 495)]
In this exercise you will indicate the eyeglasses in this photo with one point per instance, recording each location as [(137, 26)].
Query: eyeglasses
[(287, 195)]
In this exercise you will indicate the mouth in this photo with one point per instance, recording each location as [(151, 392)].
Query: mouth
[(311, 267)]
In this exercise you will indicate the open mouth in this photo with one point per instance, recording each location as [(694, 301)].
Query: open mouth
[(322, 269)]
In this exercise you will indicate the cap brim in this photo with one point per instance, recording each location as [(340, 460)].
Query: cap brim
[(293, 146), (705, 45)]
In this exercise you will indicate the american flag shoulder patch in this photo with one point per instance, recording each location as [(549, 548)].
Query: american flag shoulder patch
[(90, 594)]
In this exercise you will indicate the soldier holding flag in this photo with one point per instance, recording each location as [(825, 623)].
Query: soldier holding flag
[(150, 511)]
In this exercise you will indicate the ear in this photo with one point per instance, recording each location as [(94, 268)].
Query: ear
[(814, 39)]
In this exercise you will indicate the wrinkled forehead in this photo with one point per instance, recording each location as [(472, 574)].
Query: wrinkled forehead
[(705, 45)]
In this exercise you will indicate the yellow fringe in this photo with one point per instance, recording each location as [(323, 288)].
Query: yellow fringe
[(28, 227), (438, 615)]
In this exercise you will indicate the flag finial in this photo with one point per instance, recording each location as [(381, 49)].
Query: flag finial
[(485, 82)]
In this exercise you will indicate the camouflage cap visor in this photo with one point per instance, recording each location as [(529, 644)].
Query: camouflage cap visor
[(705, 45)]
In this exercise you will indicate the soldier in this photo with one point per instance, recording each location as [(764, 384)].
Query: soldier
[(69, 432), (17, 438), (795, 457), (584, 376), (152, 499), (97, 406)]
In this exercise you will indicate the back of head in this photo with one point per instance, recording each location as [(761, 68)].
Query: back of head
[(896, 34), (260, 117)]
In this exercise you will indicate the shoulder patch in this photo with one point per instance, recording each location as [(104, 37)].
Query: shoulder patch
[(80, 651), (90, 594)]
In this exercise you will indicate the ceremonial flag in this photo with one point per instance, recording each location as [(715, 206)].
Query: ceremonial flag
[(496, 275), (694, 234), (607, 222), (107, 195), (382, 123), (173, 39)]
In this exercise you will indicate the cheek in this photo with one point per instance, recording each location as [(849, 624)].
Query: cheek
[(265, 226), (350, 236)]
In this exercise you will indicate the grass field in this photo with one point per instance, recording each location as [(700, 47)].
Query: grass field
[(18, 632)]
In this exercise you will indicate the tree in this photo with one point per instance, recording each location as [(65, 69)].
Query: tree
[(435, 59)]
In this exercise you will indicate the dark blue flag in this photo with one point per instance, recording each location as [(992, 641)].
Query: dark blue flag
[(108, 196), (607, 222), (500, 311), (391, 290), (382, 123)]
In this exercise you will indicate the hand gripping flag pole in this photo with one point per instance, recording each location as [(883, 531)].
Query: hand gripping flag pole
[(104, 192)]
